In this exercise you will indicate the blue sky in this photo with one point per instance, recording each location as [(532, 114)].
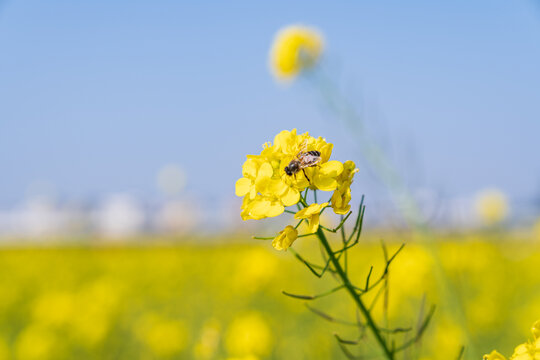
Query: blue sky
[(95, 97)]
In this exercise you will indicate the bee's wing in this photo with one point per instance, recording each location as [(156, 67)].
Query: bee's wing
[(308, 160)]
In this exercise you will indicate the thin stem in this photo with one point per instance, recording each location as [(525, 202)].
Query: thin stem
[(313, 297), (351, 290), (340, 226)]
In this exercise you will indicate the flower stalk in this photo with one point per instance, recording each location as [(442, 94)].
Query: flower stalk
[(354, 294), (269, 189)]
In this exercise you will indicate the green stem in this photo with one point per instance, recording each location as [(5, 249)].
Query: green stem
[(351, 290)]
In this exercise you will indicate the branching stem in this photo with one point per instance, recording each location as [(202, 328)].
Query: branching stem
[(351, 290)]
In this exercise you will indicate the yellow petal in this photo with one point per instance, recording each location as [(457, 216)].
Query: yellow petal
[(265, 170), (274, 209), (291, 197), (342, 210), (340, 201), (349, 165), (279, 188), (285, 139), (310, 211), (326, 151), (249, 169), (324, 183), (331, 169), (259, 208), (285, 238), (263, 185), (301, 214), (313, 223), (242, 186)]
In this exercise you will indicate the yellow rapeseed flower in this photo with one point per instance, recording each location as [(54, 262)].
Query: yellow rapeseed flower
[(311, 213), (165, 337), (491, 205), (265, 186), (295, 48), (342, 195), (285, 238), (249, 335)]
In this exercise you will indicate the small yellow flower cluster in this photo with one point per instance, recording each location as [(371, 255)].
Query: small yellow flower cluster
[(527, 351), (268, 190), (295, 48), (342, 195)]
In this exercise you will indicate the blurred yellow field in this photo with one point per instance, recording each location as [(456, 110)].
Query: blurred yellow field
[(225, 301)]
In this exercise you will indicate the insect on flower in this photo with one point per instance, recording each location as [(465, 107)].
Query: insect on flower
[(302, 160)]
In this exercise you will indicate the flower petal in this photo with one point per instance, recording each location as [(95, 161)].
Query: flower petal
[(291, 197), (324, 183), (249, 169), (265, 170), (275, 209), (259, 208), (242, 186), (313, 223), (285, 238), (331, 169)]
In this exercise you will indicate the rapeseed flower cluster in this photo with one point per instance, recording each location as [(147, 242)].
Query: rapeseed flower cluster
[(527, 351), (268, 190), (295, 48)]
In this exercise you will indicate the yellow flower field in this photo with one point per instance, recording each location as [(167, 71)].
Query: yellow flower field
[(224, 301)]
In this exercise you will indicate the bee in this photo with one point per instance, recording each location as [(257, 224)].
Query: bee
[(303, 159)]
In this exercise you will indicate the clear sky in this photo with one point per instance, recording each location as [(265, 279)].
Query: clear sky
[(97, 96)]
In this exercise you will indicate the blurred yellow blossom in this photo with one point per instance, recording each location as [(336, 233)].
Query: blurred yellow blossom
[(262, 267), (285, 238), (165, 337), (266, 187), (95, 303), (491, 205), (295, 48), (249, 335), (208, 342), (55, 308), (36, 342), (311, 214)]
